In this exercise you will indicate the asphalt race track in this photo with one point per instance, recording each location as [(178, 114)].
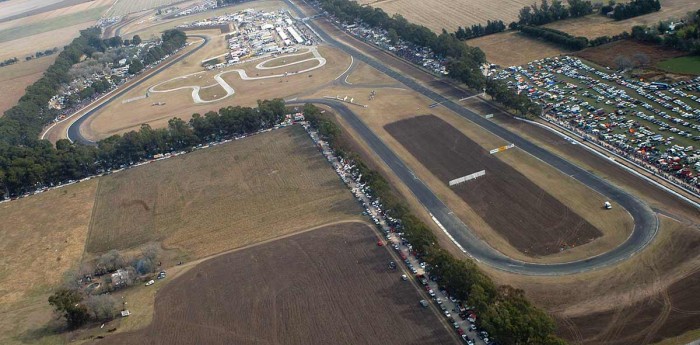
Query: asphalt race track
[(74, 134), (645, 221)]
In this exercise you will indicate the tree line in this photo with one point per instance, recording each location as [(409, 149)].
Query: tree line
[(43, 53), (478, 30), (555, 36), (10, 61), (504, 312), (631, 9), (464, 62), (546, 13)]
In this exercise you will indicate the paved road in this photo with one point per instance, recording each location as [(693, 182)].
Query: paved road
[(74, 129)]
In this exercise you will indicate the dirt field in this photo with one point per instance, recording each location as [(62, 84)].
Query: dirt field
[(327, 286), (221, 198), (11, 10), (530, 219), (449, 14), (15, 78), (593, 26), (43, 236), (513, 49), (605, 55)]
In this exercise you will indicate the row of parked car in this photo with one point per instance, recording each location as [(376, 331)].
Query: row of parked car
[(653, 123)]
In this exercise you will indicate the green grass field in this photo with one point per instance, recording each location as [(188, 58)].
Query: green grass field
[(683, 64), (51, 24)]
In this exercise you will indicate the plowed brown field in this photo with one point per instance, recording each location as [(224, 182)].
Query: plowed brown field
[(327, 286), (529, 218)]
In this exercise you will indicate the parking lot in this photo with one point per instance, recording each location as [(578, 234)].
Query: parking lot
[(656, 125)]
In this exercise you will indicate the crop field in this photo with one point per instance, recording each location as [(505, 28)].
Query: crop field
[(221, 198), (605, 55), (327, 286), (499, 48), (682, 65), (595, 25), (123, 7), (11, 10), (50, 24), (15, 78), (43, 236), (449, 14), (530, 219)]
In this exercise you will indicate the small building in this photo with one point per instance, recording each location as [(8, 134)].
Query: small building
[(120, 278)]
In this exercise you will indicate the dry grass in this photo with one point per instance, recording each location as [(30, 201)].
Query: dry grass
[(46, 40), (513, 49), (43, 236), (123, 7), (593, 26), (364, 74), (118, 117), (15, 78), (221, 198), (449, 14)]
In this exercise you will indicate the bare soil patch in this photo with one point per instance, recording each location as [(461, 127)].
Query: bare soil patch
[(221, 198), (327, 286), (530, 219), (605, 55), (513, 49)]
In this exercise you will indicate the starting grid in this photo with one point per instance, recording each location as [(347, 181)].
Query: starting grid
[(467, 178)]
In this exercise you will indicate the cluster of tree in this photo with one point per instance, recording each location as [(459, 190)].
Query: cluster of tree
[(36, 163), (78, 308), (171, 40), (608, 39), (555, 36), (503, 311), (8, 62), (631, 9), (686, 38), (546, 13), (96, 88), (478, 30), (519, 102)]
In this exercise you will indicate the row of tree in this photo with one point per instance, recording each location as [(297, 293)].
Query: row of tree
[(503, 311), (631, 9), (555, 36), (478, 30), (10, 61), (24, 168), (547, 13), (43, 53)]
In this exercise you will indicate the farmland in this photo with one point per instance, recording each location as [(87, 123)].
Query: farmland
[(530, 219), (43, 236), (123, 7), (605, 55), (15, 78), (327, 286), (221, 198), (449, 14), (499, 48), (59, 22), (595, 25)]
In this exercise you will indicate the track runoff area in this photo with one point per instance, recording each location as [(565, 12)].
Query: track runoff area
[(645, 220)]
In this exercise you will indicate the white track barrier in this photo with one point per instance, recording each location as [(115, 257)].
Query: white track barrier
[(467, 178)]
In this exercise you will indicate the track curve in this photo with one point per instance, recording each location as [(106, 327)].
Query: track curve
[(73, 131), (645, 221)]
